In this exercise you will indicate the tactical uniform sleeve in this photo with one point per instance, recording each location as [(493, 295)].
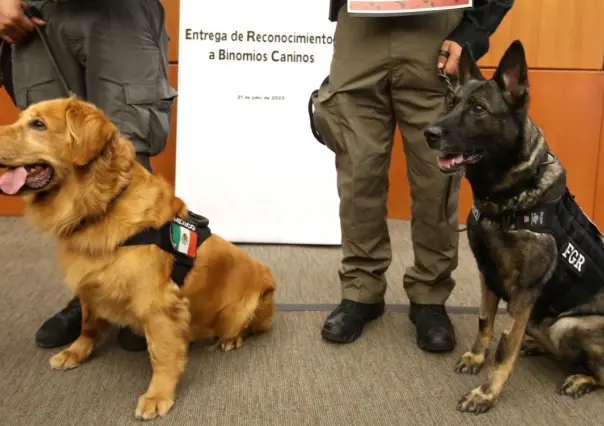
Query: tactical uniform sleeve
[(479, 23), (334, 8)]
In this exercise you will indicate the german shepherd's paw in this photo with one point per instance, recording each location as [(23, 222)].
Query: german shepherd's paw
[(469, 363), (531, 348), (65, 360), (151, 406), (578, 385), (476, 401), (230, 344)]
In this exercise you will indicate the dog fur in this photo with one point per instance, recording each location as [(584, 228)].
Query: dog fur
[(509, 167), (227, 295)]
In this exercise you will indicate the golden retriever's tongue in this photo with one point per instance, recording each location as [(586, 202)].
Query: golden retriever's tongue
[(12, 180)]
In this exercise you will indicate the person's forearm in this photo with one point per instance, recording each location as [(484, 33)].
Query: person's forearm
[(14, 25), (479, 23), (9, 11)]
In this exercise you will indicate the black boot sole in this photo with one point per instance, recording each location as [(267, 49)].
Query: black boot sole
[(337, 338), (436, 348), (432, 348), (48, 345)]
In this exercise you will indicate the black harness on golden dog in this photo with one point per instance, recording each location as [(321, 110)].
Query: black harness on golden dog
[(179, 238), (580, 250)]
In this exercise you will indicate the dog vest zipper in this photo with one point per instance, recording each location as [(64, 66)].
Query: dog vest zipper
[(580, 250), (181, 238)]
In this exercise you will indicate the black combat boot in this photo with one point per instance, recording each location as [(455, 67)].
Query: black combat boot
[(130, 341), (435, 332), (65, 327), (346, 322), (62, 328)]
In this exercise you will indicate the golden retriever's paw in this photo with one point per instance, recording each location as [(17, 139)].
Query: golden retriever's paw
[(476, 401), (230, 344), (469, 363), (578, 385), (149, 407), (531, 348), (65, 360)]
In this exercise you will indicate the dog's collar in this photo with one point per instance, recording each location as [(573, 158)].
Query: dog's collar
[(535, 218), (518, 188)]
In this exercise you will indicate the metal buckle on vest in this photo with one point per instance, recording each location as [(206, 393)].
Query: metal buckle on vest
[(508, 221), (475, 212)]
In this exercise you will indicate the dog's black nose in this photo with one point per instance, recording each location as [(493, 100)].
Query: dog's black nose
[(433, 135)]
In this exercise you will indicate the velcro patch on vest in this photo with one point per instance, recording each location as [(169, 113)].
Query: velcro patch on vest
[(534, 219), (574, 258), (183, 236)]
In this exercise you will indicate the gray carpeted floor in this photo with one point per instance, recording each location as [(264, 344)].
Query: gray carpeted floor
[(286, 377)]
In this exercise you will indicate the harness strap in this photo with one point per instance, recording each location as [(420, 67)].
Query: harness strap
[(163, 238)]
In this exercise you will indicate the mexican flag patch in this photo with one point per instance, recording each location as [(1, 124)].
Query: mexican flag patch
[(184, 237)]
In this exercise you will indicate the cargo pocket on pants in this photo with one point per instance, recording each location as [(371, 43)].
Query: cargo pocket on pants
[(325, 119), (312, 102), (153, 105), (42, 91)]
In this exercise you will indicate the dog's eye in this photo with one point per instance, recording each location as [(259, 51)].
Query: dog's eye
[(37, 124), (477, 109)]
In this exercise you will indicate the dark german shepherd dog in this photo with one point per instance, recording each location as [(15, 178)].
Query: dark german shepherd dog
[(534, 247)]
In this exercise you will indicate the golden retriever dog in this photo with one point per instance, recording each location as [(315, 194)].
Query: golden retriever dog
[(81, 184)]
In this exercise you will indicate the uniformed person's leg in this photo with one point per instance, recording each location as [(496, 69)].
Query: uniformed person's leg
[(418, 100), (34, 75), (353, 114), (35, 80), (127, 76), (123, 48), (127, 72)]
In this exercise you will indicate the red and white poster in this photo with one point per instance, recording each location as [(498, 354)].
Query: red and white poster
[(404, 7)]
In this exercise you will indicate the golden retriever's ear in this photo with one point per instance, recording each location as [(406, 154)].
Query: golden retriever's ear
[(89, 129)]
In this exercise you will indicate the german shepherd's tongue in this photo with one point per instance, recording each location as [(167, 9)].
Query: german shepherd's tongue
[(445, 163), (12, 180)]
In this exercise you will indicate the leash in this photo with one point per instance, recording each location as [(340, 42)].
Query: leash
[(32, 12), (442, 74)]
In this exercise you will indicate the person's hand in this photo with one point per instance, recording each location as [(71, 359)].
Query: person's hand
[(448, 57), (14, 25)]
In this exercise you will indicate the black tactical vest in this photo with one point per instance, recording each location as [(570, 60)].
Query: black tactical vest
[(580, 250)]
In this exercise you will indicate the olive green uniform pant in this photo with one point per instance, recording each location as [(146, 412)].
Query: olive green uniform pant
[(113, 53), (383, 72)]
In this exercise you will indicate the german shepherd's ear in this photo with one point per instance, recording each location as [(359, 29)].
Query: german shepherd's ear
[(467, 69), (89, 130), (512, 72)]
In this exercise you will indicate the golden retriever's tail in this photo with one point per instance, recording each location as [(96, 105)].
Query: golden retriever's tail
[(252, 314), (262, 319), (265, 309), (261, 306)]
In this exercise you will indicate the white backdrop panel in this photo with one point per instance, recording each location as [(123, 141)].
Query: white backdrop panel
[(246, 158)]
